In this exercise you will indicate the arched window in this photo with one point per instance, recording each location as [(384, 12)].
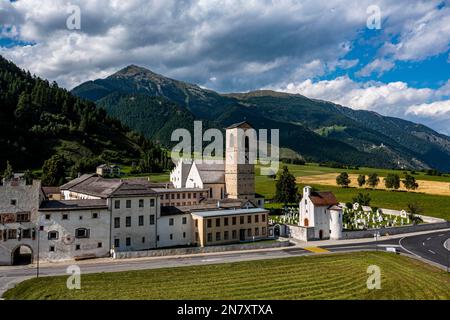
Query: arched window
[(231, 141), (53, 235), (247, 150), (306, 222)]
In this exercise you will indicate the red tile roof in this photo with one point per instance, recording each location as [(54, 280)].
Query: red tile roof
[(323, 199)]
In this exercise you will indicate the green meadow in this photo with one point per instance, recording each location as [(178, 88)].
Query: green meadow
[(330, 276)]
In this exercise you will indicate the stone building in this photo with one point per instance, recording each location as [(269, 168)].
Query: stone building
[(19, 205)]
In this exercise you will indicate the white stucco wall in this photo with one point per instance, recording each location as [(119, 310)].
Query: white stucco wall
[(141, 237), (181, 232), (66, 245)]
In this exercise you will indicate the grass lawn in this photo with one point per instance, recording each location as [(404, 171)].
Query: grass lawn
[(337, 276)]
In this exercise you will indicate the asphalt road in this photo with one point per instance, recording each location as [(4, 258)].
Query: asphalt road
[(429, 247)]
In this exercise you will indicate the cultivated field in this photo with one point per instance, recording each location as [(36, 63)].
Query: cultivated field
[(425, 186), (331, 276)]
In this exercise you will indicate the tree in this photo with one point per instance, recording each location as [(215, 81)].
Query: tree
[(362, 199), (414, 210), (28, 176), (54, 171), (361, 180), (373, 180), (410, 182), (8, 174), (286, 188), (392, 181), (343, 180)]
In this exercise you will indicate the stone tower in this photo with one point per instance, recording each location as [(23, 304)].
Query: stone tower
[(240, 152)]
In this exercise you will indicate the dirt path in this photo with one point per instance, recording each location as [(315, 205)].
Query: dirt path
[(425, 186)]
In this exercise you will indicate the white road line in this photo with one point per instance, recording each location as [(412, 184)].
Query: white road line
[(447, 244), (432, 251), (423, 243), (441, 235), (428, 239), (410, 252)]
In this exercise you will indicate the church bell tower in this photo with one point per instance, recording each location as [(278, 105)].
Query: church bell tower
[(241, 145)]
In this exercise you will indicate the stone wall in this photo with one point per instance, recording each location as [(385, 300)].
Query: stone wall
[(394, 230), (198, 250)]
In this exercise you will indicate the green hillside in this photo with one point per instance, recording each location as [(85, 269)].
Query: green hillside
[(38, 120)]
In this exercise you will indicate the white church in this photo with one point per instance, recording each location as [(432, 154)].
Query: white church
[(320, 216)]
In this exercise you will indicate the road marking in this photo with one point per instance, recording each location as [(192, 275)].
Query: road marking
[(432, 251), (316, 249), (428, 239), (423, 243), (389, 245), (441, 235), (211, 260), (410, 252)]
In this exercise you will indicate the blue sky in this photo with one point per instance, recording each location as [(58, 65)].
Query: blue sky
[(321, 49)]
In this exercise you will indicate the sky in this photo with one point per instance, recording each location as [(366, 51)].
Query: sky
[(391, 57)]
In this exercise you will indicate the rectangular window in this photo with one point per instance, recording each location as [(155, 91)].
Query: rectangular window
[(196, 236), (77, 247), (81, 217), (117, 204), (171, 222), (241, 218), (127, 222), (12, 234), (171, 236), (141, 203), (23, 217), (128, 242), (52, 235), (167, 197), (152, 202), (184, 234), (141, 220), (184, 195), (99, 244), (178, 196), (218, 236), (263, 218), (95, 216), (189, 195), (225, 221), (52, 249), (209, 221), (152, 219), (81, 233), (256, 231), (116, 243), (48, 217), (128, 204), (264, 231), (184, 220), (194, 195), (65, 216), (233, 221), (13, 202), (249, 219), (209, 237), (173, 196), (217, 222), (196, 223), (143, 239), (225, 235), (117, 222), (249, 232), (26, 234), (234, 234), (256, 218)]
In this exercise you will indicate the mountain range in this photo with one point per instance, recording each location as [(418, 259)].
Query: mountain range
[(318, 131)]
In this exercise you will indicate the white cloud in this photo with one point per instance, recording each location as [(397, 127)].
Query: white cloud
[(378, 66), (245, 44)]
